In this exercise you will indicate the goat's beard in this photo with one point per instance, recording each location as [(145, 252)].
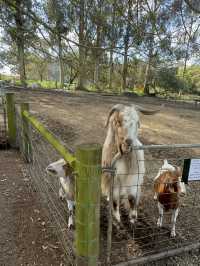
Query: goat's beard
[(124, 149)]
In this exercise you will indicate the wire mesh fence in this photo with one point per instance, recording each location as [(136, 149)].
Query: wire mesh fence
[(128, 241), (46, 185), (145, 238)]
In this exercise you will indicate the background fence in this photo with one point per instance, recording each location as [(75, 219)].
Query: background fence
[(128, 244)]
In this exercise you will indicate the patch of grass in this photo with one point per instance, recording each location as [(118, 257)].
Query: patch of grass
[(6, 77)]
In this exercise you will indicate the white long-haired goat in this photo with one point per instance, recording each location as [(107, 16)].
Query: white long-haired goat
[(122, 135)]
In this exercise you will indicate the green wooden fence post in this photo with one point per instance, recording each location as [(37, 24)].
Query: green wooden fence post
[(87, 204), (10, 109), (26, 144)]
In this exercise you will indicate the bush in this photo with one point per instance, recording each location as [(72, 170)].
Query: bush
[(168, 79)]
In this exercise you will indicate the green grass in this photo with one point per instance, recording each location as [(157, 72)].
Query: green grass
[(49, 84), (5, 77)]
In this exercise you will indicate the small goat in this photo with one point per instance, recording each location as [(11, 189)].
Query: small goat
[(64, 172), (168, 188), (122, 135)]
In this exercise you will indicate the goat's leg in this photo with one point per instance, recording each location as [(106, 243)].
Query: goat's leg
[(173, 221), (61, 193), (133, 209), (70, 204), (160, 218), (116, 210), (155, 197)]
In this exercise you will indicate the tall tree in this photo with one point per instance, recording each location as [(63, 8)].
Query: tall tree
[(127, 36), (57, 18), (81, 37), (113, 40), (19, 27)]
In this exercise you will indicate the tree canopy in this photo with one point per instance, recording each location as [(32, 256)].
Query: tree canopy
[(103, 44)]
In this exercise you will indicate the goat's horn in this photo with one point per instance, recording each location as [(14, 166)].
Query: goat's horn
[(147, 111), (115, 108)]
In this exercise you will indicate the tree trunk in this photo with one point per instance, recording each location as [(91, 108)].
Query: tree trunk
[(126, 44), (125, 66), (146, 79), (96, 73), (111, 69), (81, 75), (97, 53), (186, 58), (113, 38), (61, 66), (20, 44), (41, 77), (21, 62)]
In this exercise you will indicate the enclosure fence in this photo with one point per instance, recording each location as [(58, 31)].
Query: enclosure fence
[(144, 241), (97, 239)]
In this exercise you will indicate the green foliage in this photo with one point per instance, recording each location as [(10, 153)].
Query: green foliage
[(167, 79), (191, 77)]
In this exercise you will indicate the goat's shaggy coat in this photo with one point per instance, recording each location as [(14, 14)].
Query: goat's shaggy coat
[(168, 188), (122, 135)]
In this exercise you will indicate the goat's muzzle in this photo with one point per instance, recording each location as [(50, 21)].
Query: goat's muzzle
[(126, 146)]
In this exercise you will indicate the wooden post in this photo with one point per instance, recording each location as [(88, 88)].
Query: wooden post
[(26, 144), (10, 108), (88, 204)]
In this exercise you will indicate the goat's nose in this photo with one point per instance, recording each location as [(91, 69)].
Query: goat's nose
[(128, 142)]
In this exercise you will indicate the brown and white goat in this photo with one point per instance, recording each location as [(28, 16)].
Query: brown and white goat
[(64, 172), (122, 134), (168, 188)]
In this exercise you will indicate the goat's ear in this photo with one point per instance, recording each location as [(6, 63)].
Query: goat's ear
[(177, 171), (115, 108), (68, 169)]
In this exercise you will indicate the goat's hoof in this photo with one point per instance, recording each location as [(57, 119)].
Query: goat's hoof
[(61, 198), (173, 234), (133, 220), (133, 217), (117, 218), (159, 224), (71, 227)]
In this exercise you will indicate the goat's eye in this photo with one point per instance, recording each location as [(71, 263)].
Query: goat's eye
[(117, 123)]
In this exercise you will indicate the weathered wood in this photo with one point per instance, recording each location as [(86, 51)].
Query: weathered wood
[(26, 143), (50, 137), (87, 204), (10, 109)]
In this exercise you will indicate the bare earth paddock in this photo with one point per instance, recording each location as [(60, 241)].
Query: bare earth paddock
[(78, 118)]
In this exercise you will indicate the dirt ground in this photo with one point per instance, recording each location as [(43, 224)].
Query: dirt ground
[(80, 118), (26, 237)]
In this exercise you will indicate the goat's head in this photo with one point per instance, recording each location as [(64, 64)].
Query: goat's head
[(169, 180), (124, 121), (60, 168)]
